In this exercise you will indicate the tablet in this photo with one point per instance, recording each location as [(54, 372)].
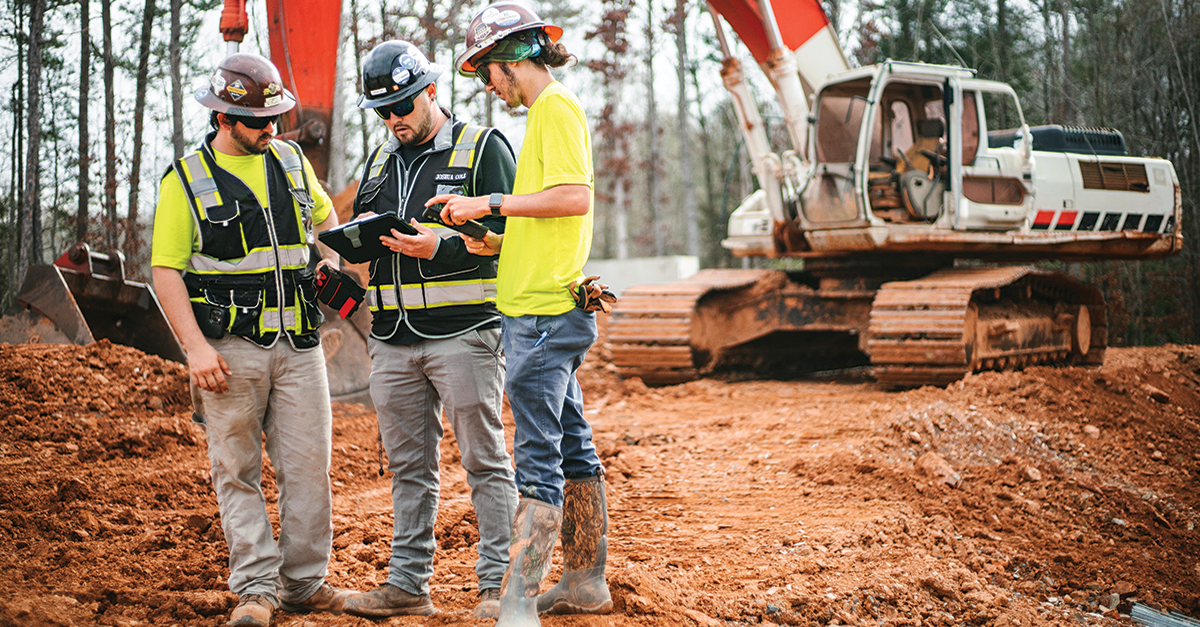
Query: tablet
[(358, 241)]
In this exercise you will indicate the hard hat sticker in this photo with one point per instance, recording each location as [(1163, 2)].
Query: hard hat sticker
[(236, 90), (408, 62), (482, 31), (400, 76), (218, 81), (508, 18), (489, 15), (272, 101), (271, 89), (381, 90)]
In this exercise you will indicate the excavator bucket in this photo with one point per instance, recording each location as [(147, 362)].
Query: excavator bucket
[(83, 297)]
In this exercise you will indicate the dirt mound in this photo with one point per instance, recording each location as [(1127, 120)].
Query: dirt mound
[(1049, 496)]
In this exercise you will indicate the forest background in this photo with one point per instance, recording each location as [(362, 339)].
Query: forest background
[(98, 101)]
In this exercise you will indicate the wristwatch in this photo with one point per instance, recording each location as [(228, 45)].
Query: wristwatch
[(494, 201)]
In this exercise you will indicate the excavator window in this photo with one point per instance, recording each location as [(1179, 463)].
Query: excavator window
[(901, 127), (839, 117)]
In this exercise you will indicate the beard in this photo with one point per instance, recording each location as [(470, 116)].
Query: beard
[(250, 141), (420, 127)]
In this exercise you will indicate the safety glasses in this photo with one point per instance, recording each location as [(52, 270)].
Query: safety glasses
[(257, 124), (398, 109), (483, 73)]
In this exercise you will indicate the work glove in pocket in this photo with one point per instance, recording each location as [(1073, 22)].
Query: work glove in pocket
[(591, 295)]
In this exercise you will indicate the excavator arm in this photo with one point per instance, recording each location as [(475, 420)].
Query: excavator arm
[(796, 47)]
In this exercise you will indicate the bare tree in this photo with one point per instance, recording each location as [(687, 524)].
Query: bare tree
[(31, 218), (133, 236), (1068, 104), (651, 165), (678, 22), (110, 129), (176, 78), (85, 84)]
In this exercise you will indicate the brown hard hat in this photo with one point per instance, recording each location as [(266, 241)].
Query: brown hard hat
[(248, 85), (495, 22)]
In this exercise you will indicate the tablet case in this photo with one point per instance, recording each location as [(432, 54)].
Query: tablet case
[(358, 241)]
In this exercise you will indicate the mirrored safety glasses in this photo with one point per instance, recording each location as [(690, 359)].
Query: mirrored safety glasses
[(399, 109)]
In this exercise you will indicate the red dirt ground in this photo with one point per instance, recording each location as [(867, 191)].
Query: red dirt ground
[(1016, 498)]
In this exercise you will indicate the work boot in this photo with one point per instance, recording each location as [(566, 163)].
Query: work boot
[(326, 599), (253, 610), (489, 603), (535, 528), (582, 589), (388, 600)]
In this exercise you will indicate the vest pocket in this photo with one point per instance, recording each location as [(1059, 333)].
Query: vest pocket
[(241, 296), (222, 215)]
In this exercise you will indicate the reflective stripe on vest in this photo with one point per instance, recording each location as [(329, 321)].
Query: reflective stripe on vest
[(378, 160), (431, 295), (464, 148), (291, 257), (204, 186), (201, 182)]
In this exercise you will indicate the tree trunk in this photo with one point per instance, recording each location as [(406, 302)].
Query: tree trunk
[(176, 79), (652, 135), (358, 55), (683, 124), (31, 219), (110, 130), (85, 84), (133, 235), (1068, 105)]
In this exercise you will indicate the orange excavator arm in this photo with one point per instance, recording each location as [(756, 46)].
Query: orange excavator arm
[(303, 36)]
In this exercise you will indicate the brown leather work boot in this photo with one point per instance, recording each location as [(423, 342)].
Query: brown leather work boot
[(535, 528), (389, 600), (326, 599), (253, 610), (489, 603), (582, 589)]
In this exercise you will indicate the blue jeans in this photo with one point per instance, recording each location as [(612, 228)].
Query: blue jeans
[(410, 386), (553, 441)]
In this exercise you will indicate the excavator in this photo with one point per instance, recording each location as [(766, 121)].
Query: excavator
[(85, 295), (916, 195)]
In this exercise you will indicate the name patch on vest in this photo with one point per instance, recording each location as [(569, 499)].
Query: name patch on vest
[(457, 175)]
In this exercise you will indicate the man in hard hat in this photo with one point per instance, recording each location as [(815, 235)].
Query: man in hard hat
[(435, 333), (546, 333), (230, 255)]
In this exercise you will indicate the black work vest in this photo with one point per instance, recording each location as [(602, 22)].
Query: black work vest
[(433, 299), (253, 260)]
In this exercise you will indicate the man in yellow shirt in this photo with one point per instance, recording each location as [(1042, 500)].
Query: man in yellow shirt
[(232, 231), (545, 334)]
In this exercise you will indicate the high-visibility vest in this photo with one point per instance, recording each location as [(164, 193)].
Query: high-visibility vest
[(252, 260)]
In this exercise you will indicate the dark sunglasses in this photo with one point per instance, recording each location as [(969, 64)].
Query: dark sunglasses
[(483, 73), (257, 124), (398, 109)]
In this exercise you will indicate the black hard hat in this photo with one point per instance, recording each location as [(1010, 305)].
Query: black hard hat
[(394, 71)]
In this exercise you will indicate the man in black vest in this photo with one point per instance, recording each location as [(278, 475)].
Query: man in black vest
[(435, 335), (230, 255)]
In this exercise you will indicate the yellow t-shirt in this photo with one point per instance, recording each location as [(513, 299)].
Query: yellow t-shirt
[(175, 237), (541, 256)]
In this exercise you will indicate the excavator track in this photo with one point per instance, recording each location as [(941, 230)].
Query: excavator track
[(934, 330), (651, 327)]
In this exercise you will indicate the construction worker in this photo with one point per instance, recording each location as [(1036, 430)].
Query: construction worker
[(230, 255), (546, 335), (435, 332)]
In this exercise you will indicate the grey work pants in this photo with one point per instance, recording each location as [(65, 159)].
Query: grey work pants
[(409, 386), (284, 394)]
